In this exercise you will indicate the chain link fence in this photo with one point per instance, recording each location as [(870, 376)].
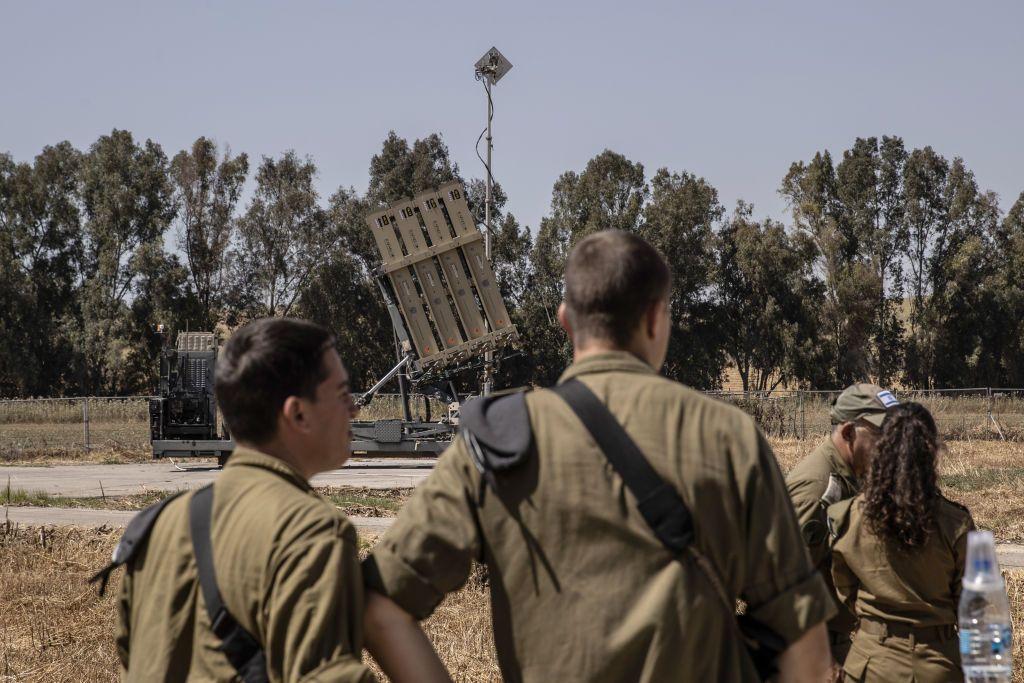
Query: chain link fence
[(979, 413), (117, 424), (70, 426), (120, 424)]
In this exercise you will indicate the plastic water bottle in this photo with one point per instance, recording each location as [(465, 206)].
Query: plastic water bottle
[(985, 633)]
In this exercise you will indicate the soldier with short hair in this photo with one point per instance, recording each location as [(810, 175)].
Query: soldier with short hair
[(588, 580), (258, 577), (831, 473)]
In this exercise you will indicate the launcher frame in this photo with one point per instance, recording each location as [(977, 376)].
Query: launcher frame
[(444, 305)]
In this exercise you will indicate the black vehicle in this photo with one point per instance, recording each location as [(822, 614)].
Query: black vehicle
[(183, 418)]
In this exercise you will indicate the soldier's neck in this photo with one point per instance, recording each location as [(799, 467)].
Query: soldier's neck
[(594, 347), (277, 448)]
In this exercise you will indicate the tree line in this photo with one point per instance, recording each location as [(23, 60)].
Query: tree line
[(894, 265)]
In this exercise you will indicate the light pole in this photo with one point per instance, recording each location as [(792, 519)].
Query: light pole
[(489, 69)]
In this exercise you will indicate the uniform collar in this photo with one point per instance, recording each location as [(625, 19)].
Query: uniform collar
[(250, 457), (836, 461), (607, 361)]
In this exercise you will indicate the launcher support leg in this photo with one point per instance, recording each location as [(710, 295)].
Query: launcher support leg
[(365, 399)]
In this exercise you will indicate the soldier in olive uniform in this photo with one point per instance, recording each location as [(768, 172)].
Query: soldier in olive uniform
[(285, 559), (898, 555), (581, 588), (830, 474)]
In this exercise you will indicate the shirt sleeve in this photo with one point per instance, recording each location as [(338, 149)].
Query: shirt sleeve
[(810, 515), (428, 552), (781, 586), (313, 614), (846, 582), (122, 638), (960, 556), (844, 579)]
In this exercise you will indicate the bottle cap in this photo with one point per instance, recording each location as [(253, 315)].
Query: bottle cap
[(982, 568)]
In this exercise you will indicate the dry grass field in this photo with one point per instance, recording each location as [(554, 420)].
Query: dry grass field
[(52, 431), (54, 627), (986, 476)]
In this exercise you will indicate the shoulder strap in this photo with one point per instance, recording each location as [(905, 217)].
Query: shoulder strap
[(242, 649), (132, 540), (658, 502), (665, 512), (838, 515)]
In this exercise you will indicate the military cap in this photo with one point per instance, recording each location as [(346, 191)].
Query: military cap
[(862, 402)]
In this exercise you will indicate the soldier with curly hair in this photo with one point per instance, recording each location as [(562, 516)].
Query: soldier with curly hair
[(898, 554)]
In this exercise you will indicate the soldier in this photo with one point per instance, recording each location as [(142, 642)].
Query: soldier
[(260, 578), (898, 556), (830, 474), (583, 584)]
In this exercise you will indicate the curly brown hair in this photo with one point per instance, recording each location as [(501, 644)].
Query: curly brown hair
[(902, 484)]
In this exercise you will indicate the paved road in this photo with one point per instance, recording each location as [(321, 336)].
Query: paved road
[(118, 480), (1011, 556), (37, 516)]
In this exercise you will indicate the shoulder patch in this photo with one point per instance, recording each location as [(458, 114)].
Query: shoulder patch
[(833, 492)]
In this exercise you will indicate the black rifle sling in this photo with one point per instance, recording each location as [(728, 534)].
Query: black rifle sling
[(658, 502), (240, 647)]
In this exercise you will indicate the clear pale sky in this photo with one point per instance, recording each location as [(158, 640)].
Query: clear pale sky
[(732, 91)]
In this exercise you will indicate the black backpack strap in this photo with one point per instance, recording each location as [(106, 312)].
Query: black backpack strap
[(658, 502), (132, 540), (240, 647)]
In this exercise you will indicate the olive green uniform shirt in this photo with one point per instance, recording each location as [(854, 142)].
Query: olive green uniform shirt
[(287, 568), (911, 595), (581, 589), (817, 481)]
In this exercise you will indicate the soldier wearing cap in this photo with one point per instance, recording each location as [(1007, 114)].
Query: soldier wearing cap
[(582, 589), (832, 473), (898, 554)]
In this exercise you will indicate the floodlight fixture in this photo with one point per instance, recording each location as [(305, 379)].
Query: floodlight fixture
[(492, 66)]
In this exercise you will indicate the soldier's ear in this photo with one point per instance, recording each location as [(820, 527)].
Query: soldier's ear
[(656, 316), (293, 414), (563, 319), (848, 431)]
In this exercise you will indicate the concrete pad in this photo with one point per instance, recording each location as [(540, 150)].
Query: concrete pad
[(45, 516), (119, 480), (1011, 555)]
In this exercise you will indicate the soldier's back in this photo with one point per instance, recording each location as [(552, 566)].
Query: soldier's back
[(906, 598), (582, 589), (272, 538)]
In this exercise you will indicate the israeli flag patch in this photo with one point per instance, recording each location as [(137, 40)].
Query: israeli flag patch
[(887, 399)]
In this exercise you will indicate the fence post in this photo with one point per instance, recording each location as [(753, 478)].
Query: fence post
[(85, 421), (803, 414), (992, 413)]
